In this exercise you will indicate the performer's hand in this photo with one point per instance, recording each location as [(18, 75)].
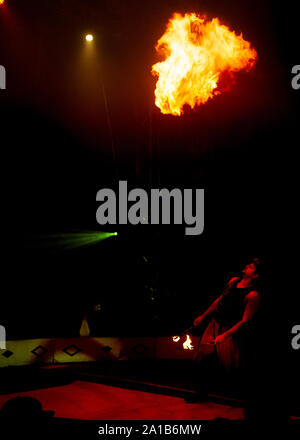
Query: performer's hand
[(198, 321), (220, 339)]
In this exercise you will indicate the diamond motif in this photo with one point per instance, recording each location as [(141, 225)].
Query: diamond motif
[(140, 348), (71, 350), (39, 351), (7, 354)]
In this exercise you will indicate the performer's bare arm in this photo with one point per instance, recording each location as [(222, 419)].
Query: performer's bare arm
[(209, 311), (212, 308), (250, 311)]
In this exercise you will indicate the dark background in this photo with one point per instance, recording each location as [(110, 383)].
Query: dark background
[(58, 151)]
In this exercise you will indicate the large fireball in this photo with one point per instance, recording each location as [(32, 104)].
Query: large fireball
[(196, 52)]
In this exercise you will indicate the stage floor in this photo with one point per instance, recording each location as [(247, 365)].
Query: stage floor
[(91, 401), (124, 391)]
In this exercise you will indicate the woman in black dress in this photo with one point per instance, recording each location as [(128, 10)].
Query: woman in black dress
[(231, 329), (232, 315)]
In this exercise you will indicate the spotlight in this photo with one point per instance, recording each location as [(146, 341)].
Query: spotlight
[(88, 37), (115, 233), (1, 2)]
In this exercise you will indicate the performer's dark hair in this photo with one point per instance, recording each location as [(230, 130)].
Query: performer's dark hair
[(258, 282), (259, 265)]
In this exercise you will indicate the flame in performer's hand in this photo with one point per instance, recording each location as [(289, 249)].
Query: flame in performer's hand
[(176, 338), (196, 52), (187, 345)]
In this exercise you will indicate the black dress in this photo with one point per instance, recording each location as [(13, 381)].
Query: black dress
[(229, 312)]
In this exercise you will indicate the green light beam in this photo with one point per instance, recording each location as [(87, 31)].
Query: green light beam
[(71, 240)]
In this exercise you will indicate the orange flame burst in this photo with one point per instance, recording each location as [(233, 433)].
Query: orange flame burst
[(196, 53), (187, 345)]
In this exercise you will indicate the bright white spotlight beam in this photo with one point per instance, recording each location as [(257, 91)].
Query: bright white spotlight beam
[(89, 37)]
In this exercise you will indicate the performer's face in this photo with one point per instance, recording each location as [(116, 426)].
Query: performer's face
[(250, 270)]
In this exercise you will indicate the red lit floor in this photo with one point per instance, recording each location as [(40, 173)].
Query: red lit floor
[(91, 401)]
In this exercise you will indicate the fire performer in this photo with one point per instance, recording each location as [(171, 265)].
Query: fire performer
[(230, 333)]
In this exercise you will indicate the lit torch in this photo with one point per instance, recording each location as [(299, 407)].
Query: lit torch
[(187, 345), (196, 53)]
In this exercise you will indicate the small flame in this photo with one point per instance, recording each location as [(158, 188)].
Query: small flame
[(196, 53), (176, 338), (187, 345)]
